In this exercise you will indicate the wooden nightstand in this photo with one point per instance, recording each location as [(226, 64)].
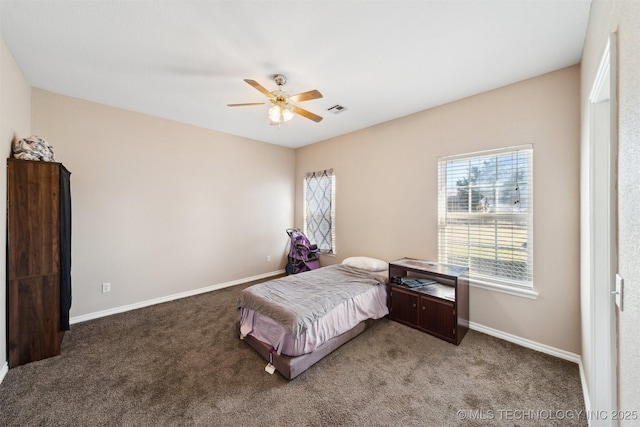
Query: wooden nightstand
[(440, 309)]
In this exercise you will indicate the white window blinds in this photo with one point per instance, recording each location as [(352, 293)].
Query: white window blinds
[(485, 215)]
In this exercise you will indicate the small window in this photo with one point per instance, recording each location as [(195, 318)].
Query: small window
[(485, 215), (320, 210)]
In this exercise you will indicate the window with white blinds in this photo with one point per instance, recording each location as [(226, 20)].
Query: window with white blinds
[(485, 215), (320, 209)]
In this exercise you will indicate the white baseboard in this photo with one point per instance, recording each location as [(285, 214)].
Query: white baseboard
[(3, 371), (562, 354), (134, 306)]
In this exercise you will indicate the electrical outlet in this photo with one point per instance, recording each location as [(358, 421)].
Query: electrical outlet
[(268, 258), (106, 287)]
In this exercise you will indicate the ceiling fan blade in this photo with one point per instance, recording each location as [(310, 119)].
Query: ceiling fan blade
[(245, 104), (261, 88), (306, 96), (307, 114)]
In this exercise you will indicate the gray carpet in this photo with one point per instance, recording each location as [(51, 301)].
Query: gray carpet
[(181, 363)]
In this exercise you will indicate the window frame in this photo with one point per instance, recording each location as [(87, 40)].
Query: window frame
[(445, 215), (332, 212)]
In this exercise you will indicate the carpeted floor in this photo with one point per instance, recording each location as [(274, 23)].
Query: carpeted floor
[(181, 363)]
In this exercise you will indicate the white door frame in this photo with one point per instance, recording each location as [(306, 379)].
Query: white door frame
[(603, 257)]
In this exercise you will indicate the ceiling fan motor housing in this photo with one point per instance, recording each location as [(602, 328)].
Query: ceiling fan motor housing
[(280, 97)]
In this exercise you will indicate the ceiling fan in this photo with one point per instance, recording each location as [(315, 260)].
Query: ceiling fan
[(283, 107)]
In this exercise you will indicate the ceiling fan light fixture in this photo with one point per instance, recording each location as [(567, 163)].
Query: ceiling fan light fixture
[(287, 114), (279, 114), (274, 114)]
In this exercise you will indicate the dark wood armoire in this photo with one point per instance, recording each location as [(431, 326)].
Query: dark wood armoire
[(38, 259)]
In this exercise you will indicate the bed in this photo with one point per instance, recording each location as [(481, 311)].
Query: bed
[(295, 321)]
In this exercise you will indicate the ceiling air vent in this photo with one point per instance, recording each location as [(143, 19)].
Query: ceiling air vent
[(336, 109)]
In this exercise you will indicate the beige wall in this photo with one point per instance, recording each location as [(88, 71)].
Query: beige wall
[(15, 120), (160, 208), (605, 18), (386, 195)]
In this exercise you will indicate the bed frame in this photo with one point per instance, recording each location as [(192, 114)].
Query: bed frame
[(292, 366)]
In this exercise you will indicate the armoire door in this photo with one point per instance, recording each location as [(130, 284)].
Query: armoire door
[(33, 260)]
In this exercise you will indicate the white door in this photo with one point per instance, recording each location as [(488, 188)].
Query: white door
[(603, 228)]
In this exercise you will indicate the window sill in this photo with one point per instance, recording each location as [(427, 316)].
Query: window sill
[(505, 289), (329, 255)]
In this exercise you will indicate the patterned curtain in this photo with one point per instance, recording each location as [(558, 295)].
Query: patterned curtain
[(320, 209)]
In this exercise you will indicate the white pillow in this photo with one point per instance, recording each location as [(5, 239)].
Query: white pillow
[(366, 263)]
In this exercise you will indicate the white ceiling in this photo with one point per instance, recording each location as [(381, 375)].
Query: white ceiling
[(185, 60)]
